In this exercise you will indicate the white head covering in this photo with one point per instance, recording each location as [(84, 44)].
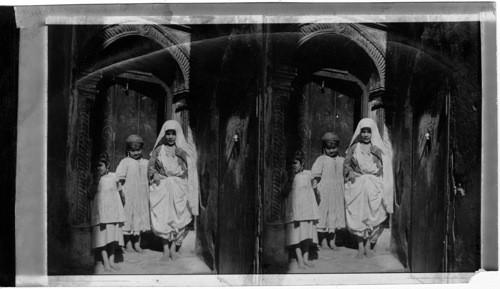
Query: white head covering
[(386, 147), (190, 149), (370, 123)]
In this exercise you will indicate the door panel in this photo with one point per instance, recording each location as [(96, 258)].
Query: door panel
[(429, 185), (237, 210), (329, 111), (129, 114)]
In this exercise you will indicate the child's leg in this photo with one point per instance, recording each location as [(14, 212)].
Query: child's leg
[(332, 242), (105, 259), (298, 253), (322, 238), (305, 247), (173, 251), (361, 248), (128, 242), (137, 244), (166, 250), (111, 253), (368, 249)]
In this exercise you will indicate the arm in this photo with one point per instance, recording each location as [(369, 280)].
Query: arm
[(317, 168), (121, 172), (153, 172), (349, 172), (180, 153), (377, 158)]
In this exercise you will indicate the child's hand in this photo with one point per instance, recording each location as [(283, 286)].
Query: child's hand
[(375, 150), (352, 177), (180, 153), (156, 179)]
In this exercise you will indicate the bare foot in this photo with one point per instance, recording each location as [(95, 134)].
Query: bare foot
[(334, 247), (369, 253), (115, 266), (138, 248), (165, 258), (107, 269), (129, 248), (301, 266), (175, 256), (309, 264), (360, 255), (324, 245)]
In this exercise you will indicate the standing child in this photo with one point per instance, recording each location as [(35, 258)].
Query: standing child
[(301, 215), (133, 175), (328, 171), (107, 216)]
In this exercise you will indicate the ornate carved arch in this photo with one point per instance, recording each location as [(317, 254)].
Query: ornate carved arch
[(357, 33), (176, 41), (87, 89)]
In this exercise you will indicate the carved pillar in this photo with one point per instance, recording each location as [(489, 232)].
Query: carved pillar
[(281, 89), (79, 167), (81, 214)]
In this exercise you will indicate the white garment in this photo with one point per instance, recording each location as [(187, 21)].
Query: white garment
[(136, 191), (386, 147), (169, 199), (107, 205), (363, 198), (192, 159)]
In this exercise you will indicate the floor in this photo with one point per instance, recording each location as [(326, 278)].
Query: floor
[(328, 261), (149, 262), (343, 261)]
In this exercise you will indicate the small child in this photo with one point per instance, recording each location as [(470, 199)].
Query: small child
[(107, 216), (327, 171), (301, 215), (133, 175)]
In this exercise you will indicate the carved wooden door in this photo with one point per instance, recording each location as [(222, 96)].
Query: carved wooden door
[(125, 112), (429, 184), (326, 110)]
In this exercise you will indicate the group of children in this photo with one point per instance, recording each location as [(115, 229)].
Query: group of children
[(314, 201), (120, 208), (159, 195), (336, 193)]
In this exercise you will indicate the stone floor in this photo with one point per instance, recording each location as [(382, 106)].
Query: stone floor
[(147, 263), (328, 261), (343, 261)]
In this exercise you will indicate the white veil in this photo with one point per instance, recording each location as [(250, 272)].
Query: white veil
[(386, 147), (189, 147)]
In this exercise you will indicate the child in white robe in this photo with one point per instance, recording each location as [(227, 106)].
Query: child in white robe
[(107, 216), (301, 215), (328, 175), (133, 175)]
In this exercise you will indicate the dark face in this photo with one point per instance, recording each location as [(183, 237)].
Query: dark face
[(170, 137), (331, 151), (296, 166), (135, 151), (102, 168), (366, 135)]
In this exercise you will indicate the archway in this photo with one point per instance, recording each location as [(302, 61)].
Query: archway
[(333, 64), (130, 80)]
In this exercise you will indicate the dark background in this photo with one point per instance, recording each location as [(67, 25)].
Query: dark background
[(9, 47)]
